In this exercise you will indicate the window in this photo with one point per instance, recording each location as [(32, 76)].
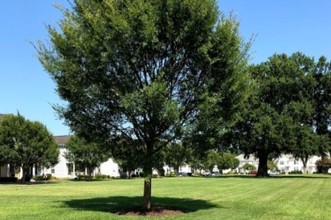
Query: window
[(52, 171), (281, 162)]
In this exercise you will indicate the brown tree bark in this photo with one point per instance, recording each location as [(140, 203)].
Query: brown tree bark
[(148, 172), (262, 170)]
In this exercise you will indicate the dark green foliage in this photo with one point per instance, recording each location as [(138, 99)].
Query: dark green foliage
[(295, 172), (127, 154), (101, 176), (84, 177), (85, 155), (8, 179), (43, 177), (177, 155), (280, 113), (24, 143), (323, 165)]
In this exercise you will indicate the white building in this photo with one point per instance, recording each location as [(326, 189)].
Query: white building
[(285, 163), (66, 169)]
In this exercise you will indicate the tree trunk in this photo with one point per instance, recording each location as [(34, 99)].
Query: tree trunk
[(129, 174), (26, 175), (263, 165), (148, 172), (147, 193), (304, 168), (176, 169), (304, 162)]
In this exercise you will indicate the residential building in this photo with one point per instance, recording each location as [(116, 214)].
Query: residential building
[(66, 169), (286, 163)]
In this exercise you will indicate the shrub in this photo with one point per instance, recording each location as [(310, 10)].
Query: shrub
[(43, 177), (323, 165), (8, 179), (84, 177), (101, 177), (249, 167), (295, 172)]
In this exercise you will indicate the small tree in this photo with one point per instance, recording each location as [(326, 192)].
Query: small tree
[(222, 160), (126, 153), (272, 165), (85, 155), (212, 159), (177, 155), (24, 143), (227, 161), (323, 165)]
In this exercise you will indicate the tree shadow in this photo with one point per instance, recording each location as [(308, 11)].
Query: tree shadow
[(29, 183), (120, 204), (291, 176), (326, 176)]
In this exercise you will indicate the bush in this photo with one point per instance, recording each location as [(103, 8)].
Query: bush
[(84, 177), (43, 177), (249, 167), (295, 172), (323, 165), (8, 179), (101, 176)]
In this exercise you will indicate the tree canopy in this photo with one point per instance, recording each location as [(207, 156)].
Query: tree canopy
[(25, 143), (144, 69), (85, 155), (281, 112)]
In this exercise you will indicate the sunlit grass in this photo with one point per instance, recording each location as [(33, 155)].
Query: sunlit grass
[(287, 197)]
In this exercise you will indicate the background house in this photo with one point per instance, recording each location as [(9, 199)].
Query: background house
[(285, 163), (66, 169)]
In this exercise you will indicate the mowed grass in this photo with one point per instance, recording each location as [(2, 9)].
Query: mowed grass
[(285, 197)]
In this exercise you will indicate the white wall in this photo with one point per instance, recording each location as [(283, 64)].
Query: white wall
[(60, 170), (109, 168), (288, 163)]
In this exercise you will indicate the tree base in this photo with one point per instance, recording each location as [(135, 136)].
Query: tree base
[(155, 211)]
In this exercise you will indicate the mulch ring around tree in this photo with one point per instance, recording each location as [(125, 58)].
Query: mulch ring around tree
[(155, 211)]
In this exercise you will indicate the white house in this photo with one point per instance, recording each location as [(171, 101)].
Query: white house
[(285, 163), (66, 169), (246, 160)]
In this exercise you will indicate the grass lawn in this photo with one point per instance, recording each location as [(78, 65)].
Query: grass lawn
[(284, 197)]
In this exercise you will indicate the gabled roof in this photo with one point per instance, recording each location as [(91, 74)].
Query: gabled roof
[(62, 139)]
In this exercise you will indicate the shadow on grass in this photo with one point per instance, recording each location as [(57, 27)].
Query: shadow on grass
[(29, 183), (119, 204), (303, 176)]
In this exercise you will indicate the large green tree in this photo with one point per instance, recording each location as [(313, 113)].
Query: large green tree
[(141, 69), (279, 113), (322, 104), (25, 143), (85, 155)]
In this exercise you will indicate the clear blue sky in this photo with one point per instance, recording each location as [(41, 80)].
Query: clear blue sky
[(279, 25)]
